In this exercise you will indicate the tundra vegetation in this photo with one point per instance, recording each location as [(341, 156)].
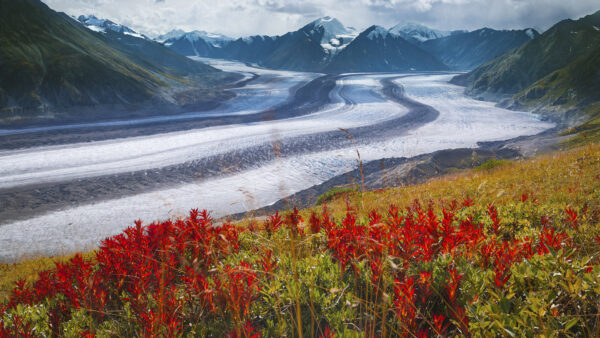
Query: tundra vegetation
[(509, 248)]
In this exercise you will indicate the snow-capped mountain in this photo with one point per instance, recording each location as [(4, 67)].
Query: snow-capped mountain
[(215, 39), (317, 45), (335, 35), (175, 33), (416, 32), (194, 43), (104, 25), (377, 50)]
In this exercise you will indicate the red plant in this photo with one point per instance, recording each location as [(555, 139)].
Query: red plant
[(572, 217), (315, 223), (273, 224), (404, 302), (439, 326), (268, 263), (493, 213), (327, 333), (453, 284), (549, 239), (293, 221)]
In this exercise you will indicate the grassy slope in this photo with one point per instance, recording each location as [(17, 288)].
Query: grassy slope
[(555, 181), (556, 48), (49, 59), (470, 50), (576, 85)]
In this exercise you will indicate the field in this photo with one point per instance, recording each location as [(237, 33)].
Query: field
[(510, 248)]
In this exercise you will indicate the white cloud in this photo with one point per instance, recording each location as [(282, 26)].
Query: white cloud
[(272, 17)]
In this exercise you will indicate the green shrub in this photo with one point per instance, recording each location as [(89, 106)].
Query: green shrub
[(335, 192)]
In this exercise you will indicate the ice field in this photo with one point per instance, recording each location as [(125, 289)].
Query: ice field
[(315, 150)]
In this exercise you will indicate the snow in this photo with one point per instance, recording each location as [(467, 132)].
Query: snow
[(92, 20), (96, 29), (100, 25), (418, 32), (462, 123), (596, 28), (333, 29), (377, 33), (174, 34), (137, 35)]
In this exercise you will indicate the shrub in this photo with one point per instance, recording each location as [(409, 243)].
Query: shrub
[(335, 192)]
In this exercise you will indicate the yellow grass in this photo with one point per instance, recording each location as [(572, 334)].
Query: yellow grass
[(557, 180)]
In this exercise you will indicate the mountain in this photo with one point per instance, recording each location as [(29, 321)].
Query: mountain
[(335, 35), (513, 72), (417, 33), (555, 72), (466, 51), (377, 50), (254, 49), (55, 67), (212, 38), (195, 43), (311, 47), (103, 25), (308, 49)]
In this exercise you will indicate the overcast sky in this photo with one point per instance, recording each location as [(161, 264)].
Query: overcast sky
[(273, 17)]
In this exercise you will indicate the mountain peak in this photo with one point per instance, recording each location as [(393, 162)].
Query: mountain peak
[(175, 33), (332, 26), (335, 33), (101, 25), (214, 39), (376, 32), (417, 32)]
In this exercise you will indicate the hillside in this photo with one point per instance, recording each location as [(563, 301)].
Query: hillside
[(519, 69), (376, 50), (508, 248), (466, 51), (52, 66)]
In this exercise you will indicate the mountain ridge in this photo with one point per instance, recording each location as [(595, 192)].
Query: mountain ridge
[(553, 73), (51, 64)]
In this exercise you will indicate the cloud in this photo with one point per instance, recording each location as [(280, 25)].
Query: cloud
[(274, 17)]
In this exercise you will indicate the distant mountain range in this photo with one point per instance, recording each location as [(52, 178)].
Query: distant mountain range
[(417, 33), (378, 50), (468, 50), (557, 71), (52, 66), (326, 45)]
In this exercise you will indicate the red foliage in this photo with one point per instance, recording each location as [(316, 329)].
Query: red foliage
[(572, 217), (163, 268)]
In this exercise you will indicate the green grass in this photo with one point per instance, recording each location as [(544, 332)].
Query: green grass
[(334, 193), (491, 164)]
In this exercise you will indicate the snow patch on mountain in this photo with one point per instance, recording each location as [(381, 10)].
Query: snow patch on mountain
[(216, 40), (377, 32), (335, 37), (101, 25), (175, 33), (417, 32)]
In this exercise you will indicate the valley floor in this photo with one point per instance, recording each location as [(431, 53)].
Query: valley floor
[(65, 188)]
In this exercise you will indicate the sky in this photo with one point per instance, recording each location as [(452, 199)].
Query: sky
[(238, 18)]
